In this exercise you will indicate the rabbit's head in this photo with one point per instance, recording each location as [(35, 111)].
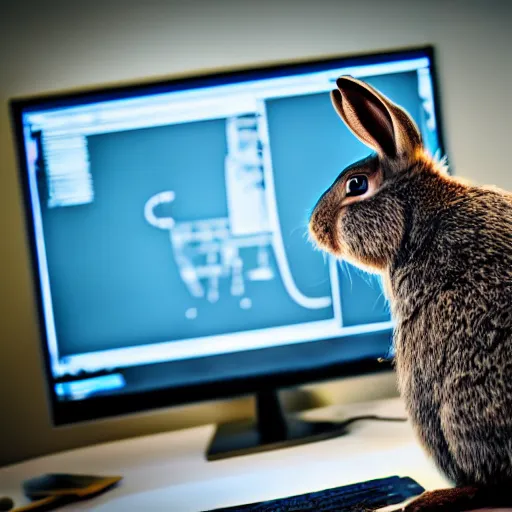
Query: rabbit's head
[(361, 217)]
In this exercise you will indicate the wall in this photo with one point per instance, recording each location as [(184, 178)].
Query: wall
[(48, 46)]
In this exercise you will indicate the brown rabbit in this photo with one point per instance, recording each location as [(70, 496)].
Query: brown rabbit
[(444, 249)]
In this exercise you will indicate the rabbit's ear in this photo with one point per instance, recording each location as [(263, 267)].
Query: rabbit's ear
[(374, 119)]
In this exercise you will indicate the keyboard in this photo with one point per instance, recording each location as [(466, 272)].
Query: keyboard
[(360, 497)]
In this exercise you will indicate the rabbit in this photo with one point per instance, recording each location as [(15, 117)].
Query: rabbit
[(444, 250)]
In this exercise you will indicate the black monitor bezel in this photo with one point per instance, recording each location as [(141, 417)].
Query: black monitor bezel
[(67, 412)]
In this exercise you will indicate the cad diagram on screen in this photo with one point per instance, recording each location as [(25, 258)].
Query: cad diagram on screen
[(208, 250)]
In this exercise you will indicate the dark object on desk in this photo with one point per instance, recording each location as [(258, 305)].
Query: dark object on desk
[(54, 490), (358, 497), (59, 484)]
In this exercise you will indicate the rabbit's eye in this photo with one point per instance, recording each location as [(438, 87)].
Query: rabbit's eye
[(356, 186)]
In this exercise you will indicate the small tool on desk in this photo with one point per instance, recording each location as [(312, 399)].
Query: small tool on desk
[(51, 491)]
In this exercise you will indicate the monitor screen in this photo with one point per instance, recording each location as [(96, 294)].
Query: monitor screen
[(169, 227)]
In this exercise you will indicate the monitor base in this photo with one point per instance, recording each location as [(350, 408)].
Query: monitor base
[(271, 430), (242, 438)]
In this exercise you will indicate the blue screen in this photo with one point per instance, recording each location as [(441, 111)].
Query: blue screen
[(172, 225)]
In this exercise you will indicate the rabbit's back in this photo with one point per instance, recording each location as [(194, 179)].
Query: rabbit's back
[(453, 307)]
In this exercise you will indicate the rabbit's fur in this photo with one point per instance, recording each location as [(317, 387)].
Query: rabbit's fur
[(444, 249)]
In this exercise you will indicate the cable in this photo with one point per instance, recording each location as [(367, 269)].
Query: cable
[(373, 417)]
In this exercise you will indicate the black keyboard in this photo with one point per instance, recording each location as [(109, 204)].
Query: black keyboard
[(363, 496)]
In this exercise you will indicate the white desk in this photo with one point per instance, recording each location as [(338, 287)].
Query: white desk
[(168, 471)]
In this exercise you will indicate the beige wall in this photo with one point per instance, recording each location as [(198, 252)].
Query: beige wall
[(47, 46)]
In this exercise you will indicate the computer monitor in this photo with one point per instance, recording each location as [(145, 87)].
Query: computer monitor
[(168, 230)]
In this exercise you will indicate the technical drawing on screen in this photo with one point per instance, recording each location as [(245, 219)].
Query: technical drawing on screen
[(173, 225)]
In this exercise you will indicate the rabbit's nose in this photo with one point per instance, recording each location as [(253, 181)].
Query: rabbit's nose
[(321, 228)]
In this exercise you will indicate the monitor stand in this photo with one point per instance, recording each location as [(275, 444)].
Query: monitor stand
[(271, 430)]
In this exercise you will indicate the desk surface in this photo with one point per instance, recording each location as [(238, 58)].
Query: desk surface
[(169, 471)]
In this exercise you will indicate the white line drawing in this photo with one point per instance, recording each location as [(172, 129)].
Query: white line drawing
[(278, 243), (208, 250)]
